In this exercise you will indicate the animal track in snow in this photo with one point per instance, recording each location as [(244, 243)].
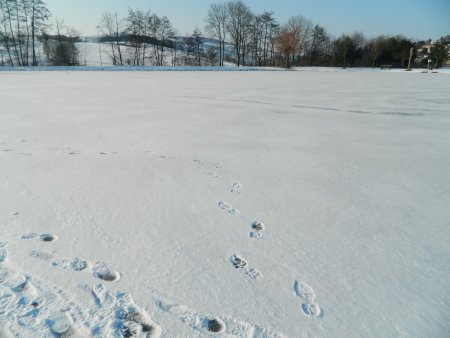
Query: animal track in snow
[(3, 244), (307, 294), (228, 207)]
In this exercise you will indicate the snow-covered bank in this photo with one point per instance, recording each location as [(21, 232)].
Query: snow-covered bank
[(111, 68), (141, 69), (131, 201)]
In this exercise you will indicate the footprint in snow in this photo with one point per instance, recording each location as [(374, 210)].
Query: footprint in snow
[(307, 294), (40, 308), (254, 273), (257, 231), (61, 324), (240, 263), (100, 270), (16, 282), (228, 207), (208, 169), (48, 238), (126, 317), (104, 272), (41, 255), (211, 173), (42, 237), (237, 188), (207, 324), (74, 264), (3, 254)]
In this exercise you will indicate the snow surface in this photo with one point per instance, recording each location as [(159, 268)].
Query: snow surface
[(256, 204)]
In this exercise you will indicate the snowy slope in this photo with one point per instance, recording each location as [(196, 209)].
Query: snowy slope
[(129, 201)]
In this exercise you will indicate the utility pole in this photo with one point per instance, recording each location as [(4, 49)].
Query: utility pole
[(99, 48)]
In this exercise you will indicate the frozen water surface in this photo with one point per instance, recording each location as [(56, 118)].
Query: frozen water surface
[(141, 175)]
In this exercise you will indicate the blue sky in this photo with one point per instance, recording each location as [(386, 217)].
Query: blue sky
[(421, 19)]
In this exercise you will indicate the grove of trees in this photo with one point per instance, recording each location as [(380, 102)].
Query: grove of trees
[(232, 34)]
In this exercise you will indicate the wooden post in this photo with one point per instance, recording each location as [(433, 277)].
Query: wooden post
[(411, 52)]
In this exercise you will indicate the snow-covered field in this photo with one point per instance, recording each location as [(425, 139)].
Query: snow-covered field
[(131, 200)]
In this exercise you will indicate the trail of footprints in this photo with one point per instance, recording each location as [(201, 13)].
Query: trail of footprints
[(43, 310), (32, 303), (257, 232), (30, 307), (100, 270), (301, 288)]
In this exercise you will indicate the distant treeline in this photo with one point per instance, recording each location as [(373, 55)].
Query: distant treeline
[(232, 33)]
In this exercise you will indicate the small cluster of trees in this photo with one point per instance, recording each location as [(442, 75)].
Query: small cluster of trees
[(61, 49), (23, 30), (20, 22), (138, 39), (252, 36)]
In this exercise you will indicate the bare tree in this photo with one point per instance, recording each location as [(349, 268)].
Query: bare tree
[(239, 26), (5, 20), (165, 34), (197, 38), (39, 15), (9, 17), (137, 28), (268, 29), (216, 26), (154, 23), (107, 26)]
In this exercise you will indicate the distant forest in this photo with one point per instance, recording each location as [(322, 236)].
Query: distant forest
[(232, 34)]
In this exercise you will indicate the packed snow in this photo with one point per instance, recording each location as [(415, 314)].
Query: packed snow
[(235, 204)]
